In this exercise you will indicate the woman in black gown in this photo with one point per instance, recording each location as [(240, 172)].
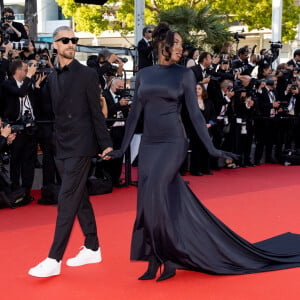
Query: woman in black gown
[(172, 226)]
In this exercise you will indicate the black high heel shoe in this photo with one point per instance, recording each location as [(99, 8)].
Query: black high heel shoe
[(153, 267), (169, 271)]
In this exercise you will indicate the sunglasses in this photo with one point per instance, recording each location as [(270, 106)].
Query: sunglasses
[(66, 40), (149, 31)]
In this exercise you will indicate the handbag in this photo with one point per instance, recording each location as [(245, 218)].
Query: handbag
[(99, 182)]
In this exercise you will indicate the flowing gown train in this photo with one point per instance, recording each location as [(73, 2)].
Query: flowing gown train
[(171, 222)]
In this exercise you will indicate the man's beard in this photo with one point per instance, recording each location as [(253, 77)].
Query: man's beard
[(67, 54)]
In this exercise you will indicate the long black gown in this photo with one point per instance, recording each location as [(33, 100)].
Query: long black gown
[(171, 222)]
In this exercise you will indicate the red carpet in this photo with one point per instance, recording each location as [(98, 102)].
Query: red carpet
[(255, 202)]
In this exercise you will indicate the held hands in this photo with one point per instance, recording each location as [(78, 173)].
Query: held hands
[(104, 155), (115, 154)]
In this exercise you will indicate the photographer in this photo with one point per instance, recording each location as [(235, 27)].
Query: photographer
[(118, 105), (293, 114), (20, 95), (244, 105), (28, 52), (202, 69), (222, 98), (241, 65), (295, 61), (266, 126), (14, 30), (107, 65)]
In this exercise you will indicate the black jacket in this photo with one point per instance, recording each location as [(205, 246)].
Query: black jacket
[(11, 93), (144, 54), (13, 37), (79, 126)]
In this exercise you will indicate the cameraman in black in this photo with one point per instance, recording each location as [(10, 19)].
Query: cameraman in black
[(20, 96), (6, 138), (107, 65), (14, 30), (295, 61), (118, 105), (292, 99), (266, 123), (242, 65), (244, 105)]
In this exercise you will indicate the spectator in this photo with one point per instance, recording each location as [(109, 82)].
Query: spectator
[(192, 57), (145, 50), (200, 159)]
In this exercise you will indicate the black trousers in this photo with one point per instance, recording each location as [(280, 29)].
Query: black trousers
[(73, 200), (22, 161)]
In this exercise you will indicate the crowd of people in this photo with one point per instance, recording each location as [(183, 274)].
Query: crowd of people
[(188, 101), (244, 101)]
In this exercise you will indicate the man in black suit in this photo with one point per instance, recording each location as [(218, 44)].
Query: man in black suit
[(266, 124), (15, 30), (79, 134), (242, 65), (295, 62), (20, 97), (145, 50), (117, 107), (202, 69)]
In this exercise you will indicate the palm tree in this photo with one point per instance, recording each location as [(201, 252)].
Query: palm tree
[(203, 28)]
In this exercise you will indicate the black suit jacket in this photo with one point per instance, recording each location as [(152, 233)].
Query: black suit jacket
[(291, 62), (198, 73), (264, 105), (144, 54), (79, 127), (13, 37), (11, 93)]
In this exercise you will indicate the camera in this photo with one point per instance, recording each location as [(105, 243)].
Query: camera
[(241, 69), (124, 93), (294, 87), (284, 106), (25, 121), (112, 70), (276, 45), (42, 65), (14, 127), (123, 59), (238, 36)]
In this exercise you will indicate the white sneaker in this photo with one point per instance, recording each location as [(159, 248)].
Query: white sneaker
[(84, 257), (47, 268)]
